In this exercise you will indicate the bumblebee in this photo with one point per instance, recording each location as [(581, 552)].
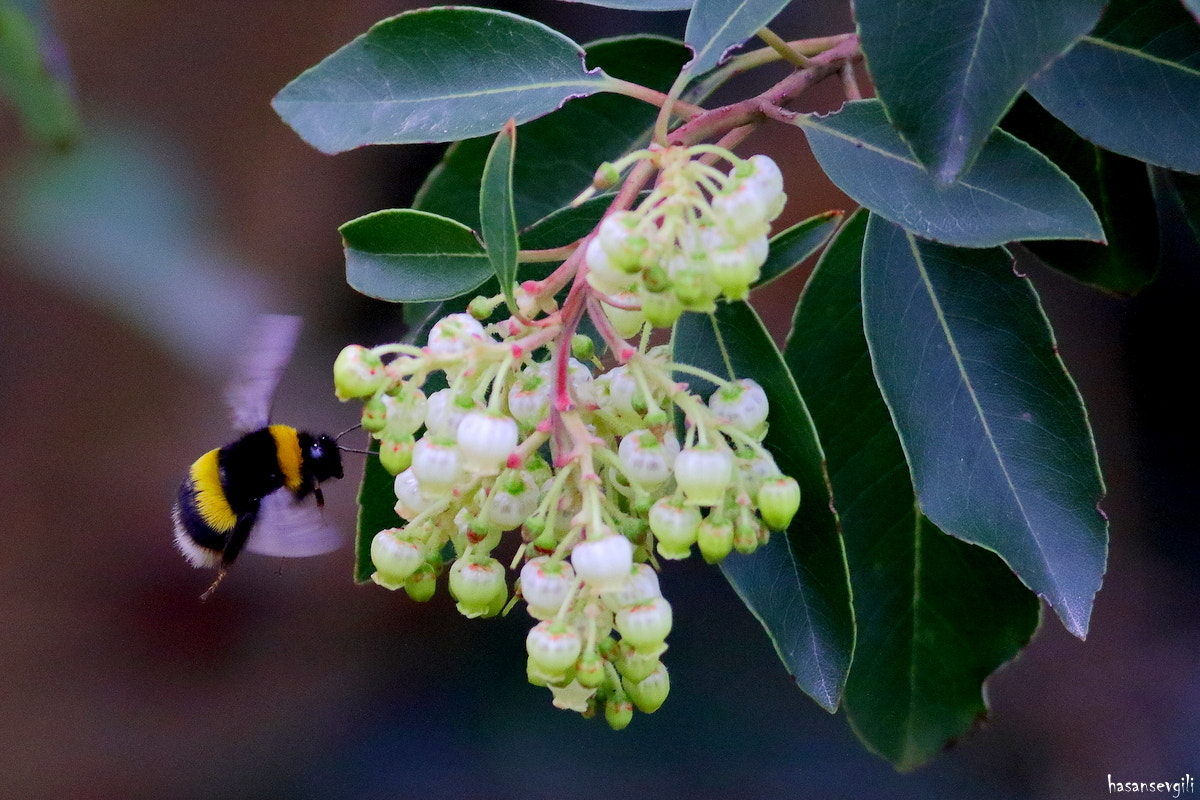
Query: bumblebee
[(261, 492)]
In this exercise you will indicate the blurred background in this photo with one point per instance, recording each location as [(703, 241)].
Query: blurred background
[(128, 268)]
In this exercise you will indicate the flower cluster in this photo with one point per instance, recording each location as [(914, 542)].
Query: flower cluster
[(700, 234), (582, 466)]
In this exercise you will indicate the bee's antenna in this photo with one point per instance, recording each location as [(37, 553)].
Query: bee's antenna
[(343, 433), (350, 449)]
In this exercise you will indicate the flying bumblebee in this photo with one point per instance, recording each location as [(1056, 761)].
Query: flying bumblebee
[(257, 493)]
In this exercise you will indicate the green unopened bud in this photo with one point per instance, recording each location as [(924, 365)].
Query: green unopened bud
[(661, 309), (477, 585), (778, 501), (481, 307), (582, 347), (674, 525), (374, 415), (745, 537), (395, 453), (395, 558), (618, 710), (357, 372), (649, 694), (553, 646), (714, 538), (422, 584), (606, 176), (656, 279), (645, 625), (733, 270), (637, 666), (589, 671)]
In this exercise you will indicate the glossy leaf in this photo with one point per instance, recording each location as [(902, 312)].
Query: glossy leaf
[(1187, 189), (376, 511), (1117, 186), (993, 428), (1010, 192), (796, 585), (638, 5), (408, 256), (496, 215), (1133, 87), (560, 152), (716, 26), (790, 247), (435, 75), (401, 255), (947, 70), (31, 82), (935, 615)]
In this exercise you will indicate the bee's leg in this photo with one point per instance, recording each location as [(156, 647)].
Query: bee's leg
[(320, 497), (237, 539), (215, 584)]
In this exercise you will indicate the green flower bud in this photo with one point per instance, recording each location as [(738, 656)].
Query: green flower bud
[(661, 309), (395, 558), (645, 625), (778, 501), (357, 372), (674, 525), (589, 671), (553, 646), (618, 710), (745, 537), (634, 665), (422, 584), (374, 415), (582, 347), (476, 585), (649, 694), (714, 538), (395, 452)]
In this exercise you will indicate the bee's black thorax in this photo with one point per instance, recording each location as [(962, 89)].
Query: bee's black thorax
[(250, 470)]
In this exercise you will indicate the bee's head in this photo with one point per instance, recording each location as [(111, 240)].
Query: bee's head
[(324, 458)]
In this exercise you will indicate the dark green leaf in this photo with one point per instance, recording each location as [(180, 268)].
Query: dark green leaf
[(993, 428), (1133, 87), (435, 75), (946, 70), (560, 152), (1010, 192), (789, 248), (566, 225), (1118, 187), (716, 26), (639, 5), (376, 511), (1187, 189), (796, 585), (33, 86), (401, 255), (497, 219), (935, 615)]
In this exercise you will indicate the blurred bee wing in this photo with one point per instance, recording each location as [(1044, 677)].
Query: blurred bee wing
[(291, 528), (259, 365)]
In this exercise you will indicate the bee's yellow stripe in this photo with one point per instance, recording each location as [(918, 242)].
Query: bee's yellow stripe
[(210, 496), (287, 449)]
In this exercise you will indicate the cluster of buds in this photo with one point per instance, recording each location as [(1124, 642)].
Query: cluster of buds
[(700, 234), (582, 467)]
